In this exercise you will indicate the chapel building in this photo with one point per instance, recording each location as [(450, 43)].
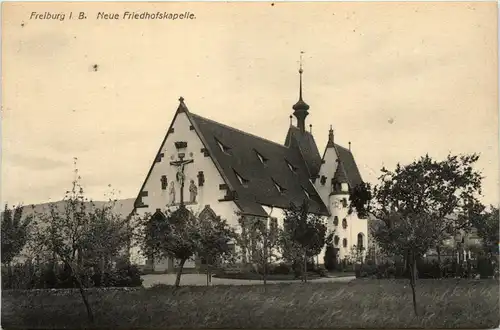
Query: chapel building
[(214, 169)]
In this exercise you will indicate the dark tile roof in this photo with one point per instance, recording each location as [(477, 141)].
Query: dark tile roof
[(340, 175), (349, 165), (308, 148), (242, 154)]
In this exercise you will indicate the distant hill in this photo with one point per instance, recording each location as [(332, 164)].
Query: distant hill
[(123, 207)]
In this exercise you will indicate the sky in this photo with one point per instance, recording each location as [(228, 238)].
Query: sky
[(398, 80)]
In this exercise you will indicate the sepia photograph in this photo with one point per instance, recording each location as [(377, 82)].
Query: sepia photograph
[(250, 165)]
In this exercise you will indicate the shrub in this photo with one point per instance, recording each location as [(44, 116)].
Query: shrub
[(321, 271), (366, 270), (485, 267), (310, 266), (428, 269), (125, 276), (281, 269), (330, 258)]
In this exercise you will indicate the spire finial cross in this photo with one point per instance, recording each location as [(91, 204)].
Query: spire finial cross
[(300, 67), (181, 99)]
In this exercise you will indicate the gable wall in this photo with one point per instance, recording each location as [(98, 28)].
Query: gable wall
[(327, 169), (208, 194)]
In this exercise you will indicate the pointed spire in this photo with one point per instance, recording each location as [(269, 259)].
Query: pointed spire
[(182, 106), (291, 120), (310, 128), (349, 145), (301, 107), (331, 142)]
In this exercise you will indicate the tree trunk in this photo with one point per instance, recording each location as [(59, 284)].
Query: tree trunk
[(179, 272), (208, 273), (264, 277), (9, 275), (413, 278), (438, 250), (90, 315), (407, 263), (305, 266), (265, 260)]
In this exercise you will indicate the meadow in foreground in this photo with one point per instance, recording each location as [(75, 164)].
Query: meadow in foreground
[(359, 304)]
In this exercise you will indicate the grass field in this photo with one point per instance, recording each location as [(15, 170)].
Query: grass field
[(359, 304)]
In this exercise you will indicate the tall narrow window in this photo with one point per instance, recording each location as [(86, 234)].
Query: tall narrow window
[(164, 182), (360, 241), (336, 221)]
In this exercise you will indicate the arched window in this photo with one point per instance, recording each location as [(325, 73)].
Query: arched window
[(336, 240), (336, 221), (344, 223), (207, 213), (344, 242), (158, 216), (360, 241)]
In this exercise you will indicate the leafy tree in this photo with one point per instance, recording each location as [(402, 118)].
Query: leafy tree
[(15, 234), (420, 204), (175, 235), (81, 235), (216, 242), (304, 234), (259, 241), (356, 254), (487, 224), (15, 231)]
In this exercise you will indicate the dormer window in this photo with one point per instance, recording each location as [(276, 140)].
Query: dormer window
[(279, 188), (307, 194), (262, 159), (222, 147), (291, 167), (242, 180)]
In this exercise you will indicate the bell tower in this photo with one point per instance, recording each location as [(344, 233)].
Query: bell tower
[(301, 108)]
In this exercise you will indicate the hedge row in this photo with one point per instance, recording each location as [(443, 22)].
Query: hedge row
[(51, 276)]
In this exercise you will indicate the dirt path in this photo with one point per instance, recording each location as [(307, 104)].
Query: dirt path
[(200, 279)]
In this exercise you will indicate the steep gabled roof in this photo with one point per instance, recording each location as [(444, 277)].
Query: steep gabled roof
[(340, 176), (308, 149), (261, 177), (349, 167)]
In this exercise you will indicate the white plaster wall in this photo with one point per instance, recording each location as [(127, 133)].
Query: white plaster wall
[(354, 225), (208, 194), (279, 214), (327, 169), (275, 212)]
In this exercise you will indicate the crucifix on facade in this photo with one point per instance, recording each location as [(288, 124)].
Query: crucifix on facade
[(180, 174)]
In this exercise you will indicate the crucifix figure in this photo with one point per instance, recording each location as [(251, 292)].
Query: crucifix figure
[(180, 176)]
